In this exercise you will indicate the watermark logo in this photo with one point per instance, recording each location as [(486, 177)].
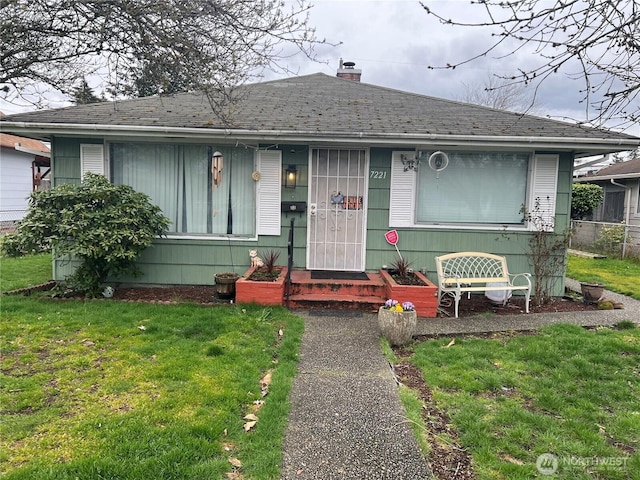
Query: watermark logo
[(547, 464)]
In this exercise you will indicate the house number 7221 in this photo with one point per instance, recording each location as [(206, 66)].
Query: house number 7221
[(378, 174)]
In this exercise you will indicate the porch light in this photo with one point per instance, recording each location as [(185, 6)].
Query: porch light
[(290, 177)]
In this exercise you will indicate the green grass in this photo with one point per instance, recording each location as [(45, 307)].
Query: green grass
[(103, 389), (622, 276), (25, 271), (566, 391)]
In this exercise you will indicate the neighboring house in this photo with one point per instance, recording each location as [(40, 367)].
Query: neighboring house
[(621, 184), (589, 166), (24, 167), (346, 160)]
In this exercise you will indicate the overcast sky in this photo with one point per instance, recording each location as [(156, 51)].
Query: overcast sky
[(394, 41)]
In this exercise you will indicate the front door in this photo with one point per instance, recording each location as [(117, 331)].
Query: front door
[(337, 209)]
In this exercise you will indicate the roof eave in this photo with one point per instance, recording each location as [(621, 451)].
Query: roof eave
[(606, 178), (581, 146)]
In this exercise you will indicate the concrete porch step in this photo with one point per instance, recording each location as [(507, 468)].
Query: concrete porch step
[(368, 303), (303, 285)]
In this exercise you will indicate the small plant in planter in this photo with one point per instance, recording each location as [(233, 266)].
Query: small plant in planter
[(397, 321), (269, 271), (403, 274), (396, 306)]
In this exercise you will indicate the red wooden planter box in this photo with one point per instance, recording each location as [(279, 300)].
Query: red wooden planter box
[(424, 297), (262, 293)]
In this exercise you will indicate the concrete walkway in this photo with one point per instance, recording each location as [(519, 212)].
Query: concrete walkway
[(346, 419)]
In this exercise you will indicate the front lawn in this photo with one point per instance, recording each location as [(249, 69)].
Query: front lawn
[(24, 271), (105, 389), (566, 391), (622, 276)]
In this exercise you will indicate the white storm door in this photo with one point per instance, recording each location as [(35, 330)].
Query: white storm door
[(337, 209)]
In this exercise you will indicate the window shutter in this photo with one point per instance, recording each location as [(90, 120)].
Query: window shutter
[(269, 192), (91, 159), (402, 200), (542, 201)]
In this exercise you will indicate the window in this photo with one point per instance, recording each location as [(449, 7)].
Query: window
[(178, 179), (475, 190), (613, 205)]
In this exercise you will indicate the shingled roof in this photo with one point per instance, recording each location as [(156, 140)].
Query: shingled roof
[(319, 106), (630, 168)]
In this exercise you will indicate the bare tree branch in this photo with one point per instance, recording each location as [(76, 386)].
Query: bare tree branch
[(600, 37), (500, 94), (169, 45)]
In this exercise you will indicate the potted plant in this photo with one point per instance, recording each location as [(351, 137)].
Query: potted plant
[(397, 321), (226, 285), (592, 292), (264, 282), (401, 281)]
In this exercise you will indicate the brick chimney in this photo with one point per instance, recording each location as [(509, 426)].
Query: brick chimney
[(346, 70)]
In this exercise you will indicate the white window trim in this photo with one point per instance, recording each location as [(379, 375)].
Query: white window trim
[(543, 191), (269, 192), (92, 159), (403, 193), (637, 192), (542, 183)]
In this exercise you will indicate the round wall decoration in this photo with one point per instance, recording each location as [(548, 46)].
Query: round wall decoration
[(438, 161), (256, 176)]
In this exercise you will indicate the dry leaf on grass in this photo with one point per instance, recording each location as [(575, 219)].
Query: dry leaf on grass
[(510, 459), (264, 383), (266, 380), (249, 425), (235, 462), (251, 416), (451, 343)]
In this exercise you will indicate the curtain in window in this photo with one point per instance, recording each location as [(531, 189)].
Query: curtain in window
[(177, 178), (474, 188)]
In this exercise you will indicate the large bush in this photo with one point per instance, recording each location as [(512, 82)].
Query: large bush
[(584, 198), (103, 226)]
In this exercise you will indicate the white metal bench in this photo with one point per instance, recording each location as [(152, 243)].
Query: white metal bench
[(477, 272)]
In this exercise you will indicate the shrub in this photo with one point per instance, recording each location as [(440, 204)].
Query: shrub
[(610, 239), (584, 198), (103, 226)]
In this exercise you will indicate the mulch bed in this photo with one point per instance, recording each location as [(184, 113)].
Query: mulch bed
[(477, 305)]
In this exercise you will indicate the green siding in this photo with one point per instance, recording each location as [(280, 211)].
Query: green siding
[(422, 245), (183, 261), (65, 159)]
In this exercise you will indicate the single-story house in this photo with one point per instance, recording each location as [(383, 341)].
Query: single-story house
[(620, 205), (347, 161), (621, 185), (24, 167)]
